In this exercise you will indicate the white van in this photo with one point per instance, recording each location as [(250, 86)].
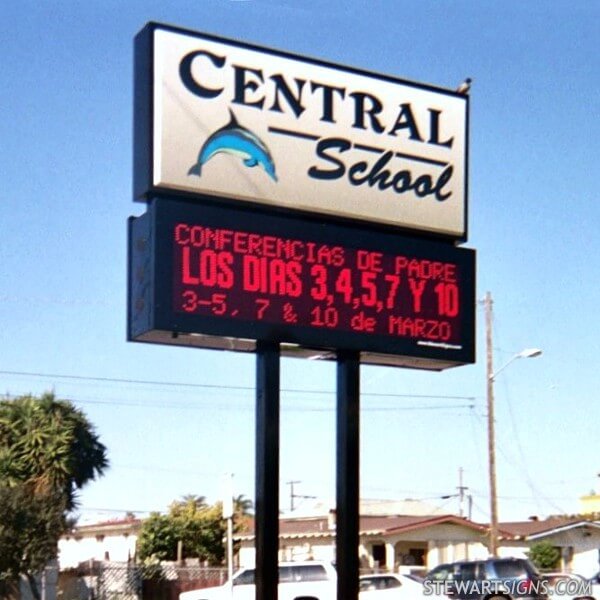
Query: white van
[(306, 580)]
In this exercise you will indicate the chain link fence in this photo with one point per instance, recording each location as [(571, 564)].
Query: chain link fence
[(119, 581)]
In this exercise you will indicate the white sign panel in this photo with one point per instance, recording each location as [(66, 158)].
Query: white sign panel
[(222, 118)]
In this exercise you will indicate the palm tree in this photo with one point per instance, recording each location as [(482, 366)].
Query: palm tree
[(49, 443), (193, 500), (242, 506), (190, 504), (48, 451), (243, 509)]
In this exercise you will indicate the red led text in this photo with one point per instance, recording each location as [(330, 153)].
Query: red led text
[(251, 276)]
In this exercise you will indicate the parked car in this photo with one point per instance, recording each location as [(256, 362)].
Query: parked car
[(380, 586), (569, 586), (297, 580), (491, 579)]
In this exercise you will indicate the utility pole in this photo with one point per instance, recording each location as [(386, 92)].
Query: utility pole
[(292, 495), (490, 379), (228, 511), (461, 493), (493, 545), (461, 496), (491, 376)]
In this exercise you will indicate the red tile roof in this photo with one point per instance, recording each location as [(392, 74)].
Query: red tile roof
[(112, 524), (522, 529), (319, 526)]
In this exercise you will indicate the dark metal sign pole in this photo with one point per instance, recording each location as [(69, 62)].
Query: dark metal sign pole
[(267, 472), (347, 467), (266, 526)]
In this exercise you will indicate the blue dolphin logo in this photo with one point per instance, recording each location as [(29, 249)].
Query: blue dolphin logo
[(238, 141)]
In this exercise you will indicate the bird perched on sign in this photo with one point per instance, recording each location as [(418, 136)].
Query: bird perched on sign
[(465, 86)]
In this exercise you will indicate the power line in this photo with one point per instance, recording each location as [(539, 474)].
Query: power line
[(169, 404), (81, 509), (124, 380), (218, 386)]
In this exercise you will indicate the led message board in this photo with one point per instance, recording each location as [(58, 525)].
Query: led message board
[(221, 118), (219, 277)]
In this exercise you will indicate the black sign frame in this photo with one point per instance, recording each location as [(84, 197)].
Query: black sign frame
[(153, 319)]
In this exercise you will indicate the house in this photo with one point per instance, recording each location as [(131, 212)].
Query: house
[(401, 542), (577, 538), (590, 504), (113, 540), (388, 542)]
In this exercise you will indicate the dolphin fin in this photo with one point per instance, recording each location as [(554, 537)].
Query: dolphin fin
[(195, 169), (251, 162), (233, 122)]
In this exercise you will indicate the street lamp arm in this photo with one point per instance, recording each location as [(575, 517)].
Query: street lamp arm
[(527, 353), (493, 376)]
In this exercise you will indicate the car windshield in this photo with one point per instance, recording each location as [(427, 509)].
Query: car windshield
[(366, 584), (441, 573), (510, 569), (310, 573), (287, 574), (245, 578), (378, 583)]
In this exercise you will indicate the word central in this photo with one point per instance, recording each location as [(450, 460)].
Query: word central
[(248, 86)]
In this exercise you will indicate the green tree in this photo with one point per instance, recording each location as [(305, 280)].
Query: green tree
[(544, 555), (204, 533), (158, 538), (189, 505), (30, 525), (198, 526), (48, 451), (242, 506), (48, 442)]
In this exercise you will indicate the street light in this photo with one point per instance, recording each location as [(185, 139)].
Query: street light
[(527, 353), (491, 377)]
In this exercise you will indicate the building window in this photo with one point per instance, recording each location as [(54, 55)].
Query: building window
[(379, 555), (415, 556)]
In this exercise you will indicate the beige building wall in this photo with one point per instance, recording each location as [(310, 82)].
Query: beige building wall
[(589, 504)]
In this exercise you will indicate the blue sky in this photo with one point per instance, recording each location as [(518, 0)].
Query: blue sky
[(173, 419)]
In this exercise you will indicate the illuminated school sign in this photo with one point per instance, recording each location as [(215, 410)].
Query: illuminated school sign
[(220, 277), (219, 118)]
